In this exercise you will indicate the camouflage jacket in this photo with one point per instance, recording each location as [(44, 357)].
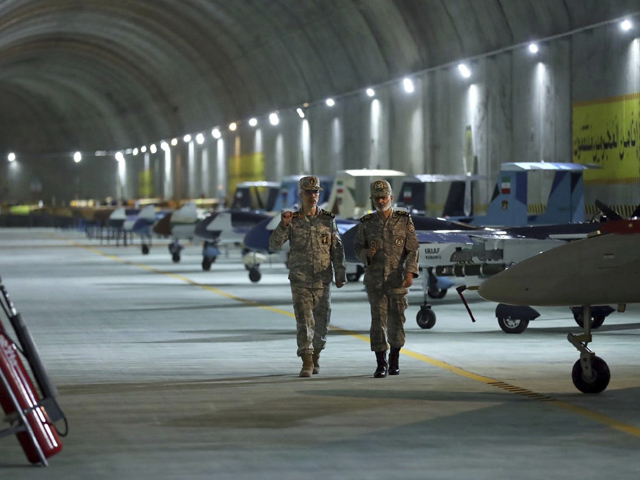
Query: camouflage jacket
[(316, 248), (397, 244)]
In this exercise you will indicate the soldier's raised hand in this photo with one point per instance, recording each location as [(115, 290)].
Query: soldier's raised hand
[(285, 218)]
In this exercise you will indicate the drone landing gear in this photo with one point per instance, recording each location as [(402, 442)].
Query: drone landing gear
[(426, 317), (175, 248), (432, 287), (514, 319), (145, 244), (210, 253), (590, 373)]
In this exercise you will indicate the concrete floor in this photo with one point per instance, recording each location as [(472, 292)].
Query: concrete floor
[(166, 371)]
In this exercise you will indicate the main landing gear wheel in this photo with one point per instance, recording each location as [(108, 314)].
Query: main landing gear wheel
[(436, 292), (513, 325), (426, 317), (600, 380), (596, 320), (255, 275), (145, 249), (598, 315)]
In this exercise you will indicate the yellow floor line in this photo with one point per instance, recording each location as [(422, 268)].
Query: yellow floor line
[(590, 414)]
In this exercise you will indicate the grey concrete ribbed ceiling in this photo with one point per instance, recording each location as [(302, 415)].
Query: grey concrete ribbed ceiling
[(109, 74)]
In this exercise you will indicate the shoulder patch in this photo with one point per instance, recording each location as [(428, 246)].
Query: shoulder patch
[(366, 217), (402, 212), (327, 213)]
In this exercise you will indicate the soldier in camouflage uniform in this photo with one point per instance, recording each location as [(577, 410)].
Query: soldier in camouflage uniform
[(387, 245), (316, 250)]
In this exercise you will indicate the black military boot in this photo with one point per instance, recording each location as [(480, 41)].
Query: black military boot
[(316, 362), (394, 360), (381, 371)]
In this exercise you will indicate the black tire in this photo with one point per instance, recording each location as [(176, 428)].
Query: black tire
[(510, 325), (596, 321), (600, 381), (206, 264), (145, 249), (353, 277), (426, 318), (436, 292), (255, 275), (175, 257)]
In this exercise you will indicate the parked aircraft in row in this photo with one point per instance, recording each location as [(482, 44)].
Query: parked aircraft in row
[(451, 250)]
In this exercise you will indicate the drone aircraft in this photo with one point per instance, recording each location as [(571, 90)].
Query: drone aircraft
[(600, 270)]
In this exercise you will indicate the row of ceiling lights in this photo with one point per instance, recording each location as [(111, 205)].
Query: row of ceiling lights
[(274, 119)]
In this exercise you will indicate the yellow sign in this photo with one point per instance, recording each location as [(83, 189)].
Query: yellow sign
[(145, 183), (244, 168), (605, 133)]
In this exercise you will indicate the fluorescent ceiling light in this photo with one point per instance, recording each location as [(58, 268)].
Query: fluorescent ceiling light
[(215, 133), (200, 139), (371, 92), (408, 85), (533, 48), (300, 112), (330, 102), (273, 118), (464, 70), (77, 157), (253, 122), (233, 126)]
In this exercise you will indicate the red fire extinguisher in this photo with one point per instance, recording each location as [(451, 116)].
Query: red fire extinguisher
[(19, 401), (26, 414)]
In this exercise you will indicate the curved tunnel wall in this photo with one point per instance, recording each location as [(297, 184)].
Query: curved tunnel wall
[(115, 75)]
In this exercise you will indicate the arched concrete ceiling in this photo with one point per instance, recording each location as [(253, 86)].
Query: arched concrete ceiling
[(108, 74)]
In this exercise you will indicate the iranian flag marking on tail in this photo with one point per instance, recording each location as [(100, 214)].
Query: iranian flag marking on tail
[(505, 185)]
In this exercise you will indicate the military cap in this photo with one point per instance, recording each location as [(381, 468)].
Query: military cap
[(380, 188), (310, 184)]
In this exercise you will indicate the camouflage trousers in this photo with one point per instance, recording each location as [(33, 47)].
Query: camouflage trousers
[(387, 319), (312, 307)]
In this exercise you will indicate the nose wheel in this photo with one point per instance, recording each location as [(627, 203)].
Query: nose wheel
[(590, 373), (597, 381)]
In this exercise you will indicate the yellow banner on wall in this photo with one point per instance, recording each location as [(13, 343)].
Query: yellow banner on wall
[(605, 133), (244, 168), (145, 183)]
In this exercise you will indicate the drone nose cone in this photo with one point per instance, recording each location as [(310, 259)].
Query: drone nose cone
[(493, 289)]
